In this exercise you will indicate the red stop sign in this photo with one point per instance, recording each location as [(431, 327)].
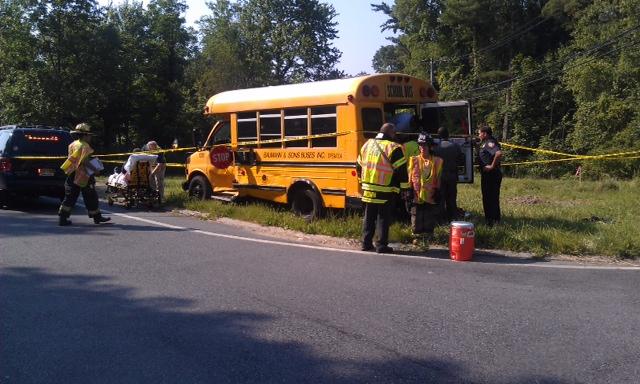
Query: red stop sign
[(221, 157)]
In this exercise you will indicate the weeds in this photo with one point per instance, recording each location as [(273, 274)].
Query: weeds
[(541, 216)]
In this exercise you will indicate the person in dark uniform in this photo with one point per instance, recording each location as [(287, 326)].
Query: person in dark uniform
[(489, 155), (452, 156)]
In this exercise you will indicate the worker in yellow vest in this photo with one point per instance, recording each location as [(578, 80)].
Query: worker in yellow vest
[(382, 170), (424, 179), (80, 172), (411, 148)]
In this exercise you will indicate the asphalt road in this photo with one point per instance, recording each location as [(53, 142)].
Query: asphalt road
[(155, 298)]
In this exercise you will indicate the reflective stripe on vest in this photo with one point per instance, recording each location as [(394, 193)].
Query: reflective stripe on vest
[(424, 175), (79, 151), (376, 167), (371, 197)]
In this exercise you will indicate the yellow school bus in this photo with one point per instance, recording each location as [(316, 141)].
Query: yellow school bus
[(298, 144)]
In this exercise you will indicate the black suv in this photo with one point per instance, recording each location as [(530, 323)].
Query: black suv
[(31, 177)]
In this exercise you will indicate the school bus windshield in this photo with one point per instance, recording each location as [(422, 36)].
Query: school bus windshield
[(453, 117)]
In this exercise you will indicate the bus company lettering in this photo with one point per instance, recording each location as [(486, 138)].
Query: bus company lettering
[(401, 91), (273, 155), (305, 155)]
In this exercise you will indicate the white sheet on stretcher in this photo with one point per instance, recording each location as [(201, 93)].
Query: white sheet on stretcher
[(118, 180), (133, 160)]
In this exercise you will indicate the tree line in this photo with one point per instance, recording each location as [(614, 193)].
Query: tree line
[(555, 74), (137, 73)]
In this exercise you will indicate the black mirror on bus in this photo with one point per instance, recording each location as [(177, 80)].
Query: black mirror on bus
[(196, 136)]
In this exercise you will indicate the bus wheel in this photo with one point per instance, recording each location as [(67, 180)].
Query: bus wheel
[(199, 188), (307, 203)]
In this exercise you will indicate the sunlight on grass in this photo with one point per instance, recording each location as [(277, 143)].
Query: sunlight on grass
[(544, 217)]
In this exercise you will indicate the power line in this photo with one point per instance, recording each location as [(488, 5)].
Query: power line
[(501, 42), (572, 57), (629, 45)]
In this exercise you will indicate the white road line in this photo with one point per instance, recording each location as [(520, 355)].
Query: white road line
[(354, 251)]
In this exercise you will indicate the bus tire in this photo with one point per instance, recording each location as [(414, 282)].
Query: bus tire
[(199, 188), (307, 204)]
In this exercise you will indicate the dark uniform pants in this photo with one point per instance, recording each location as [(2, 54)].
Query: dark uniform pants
[(449, 196), (424, 218), (377, 215), (490, 183), (71, 193)]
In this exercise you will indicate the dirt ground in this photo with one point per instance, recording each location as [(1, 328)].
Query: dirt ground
[(409, 249)]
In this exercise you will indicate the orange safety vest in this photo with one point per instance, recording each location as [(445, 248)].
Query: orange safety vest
[(377, 169), (79, 152), (424, 176)]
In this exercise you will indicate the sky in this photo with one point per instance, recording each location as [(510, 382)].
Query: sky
[(359, 35)]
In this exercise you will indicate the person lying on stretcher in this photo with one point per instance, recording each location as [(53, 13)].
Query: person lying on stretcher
[(121, 178)]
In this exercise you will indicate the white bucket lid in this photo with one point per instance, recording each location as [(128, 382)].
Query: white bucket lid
[(461, 224)]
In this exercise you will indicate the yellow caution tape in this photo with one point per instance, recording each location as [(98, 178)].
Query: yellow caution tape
[(170, 165), (240, 144), (568, 156), (568, 159), (538, 150), (148, 152), (41, 157), (294, 138)]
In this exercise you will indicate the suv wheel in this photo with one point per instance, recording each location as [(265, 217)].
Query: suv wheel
[(4, 199)]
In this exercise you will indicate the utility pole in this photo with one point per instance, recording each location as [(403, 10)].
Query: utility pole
[(431, 72)]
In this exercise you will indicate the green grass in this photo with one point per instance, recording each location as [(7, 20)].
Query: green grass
[(545, 217)]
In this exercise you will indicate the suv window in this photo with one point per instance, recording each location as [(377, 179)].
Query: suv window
[(4, 140), (32, 142)]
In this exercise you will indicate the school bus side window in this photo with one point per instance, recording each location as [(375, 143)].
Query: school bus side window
[(270, 128), (247, 127), (296, 125), (223, 135), (371, 121), (323, 121)]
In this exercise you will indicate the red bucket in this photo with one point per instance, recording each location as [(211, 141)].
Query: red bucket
[(461, 241)]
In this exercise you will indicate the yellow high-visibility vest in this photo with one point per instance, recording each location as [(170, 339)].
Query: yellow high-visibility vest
[(411, 148), (79, 152), (377, 169)]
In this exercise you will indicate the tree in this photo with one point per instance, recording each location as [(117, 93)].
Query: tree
[(21, 95), (605, 81), (289, 41), (267, 42), (388, 59)]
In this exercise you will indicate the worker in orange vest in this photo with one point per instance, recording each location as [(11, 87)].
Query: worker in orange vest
[(424, 172)]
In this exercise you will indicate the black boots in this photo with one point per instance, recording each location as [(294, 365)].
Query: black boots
[(63, 221), (99, 219)]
